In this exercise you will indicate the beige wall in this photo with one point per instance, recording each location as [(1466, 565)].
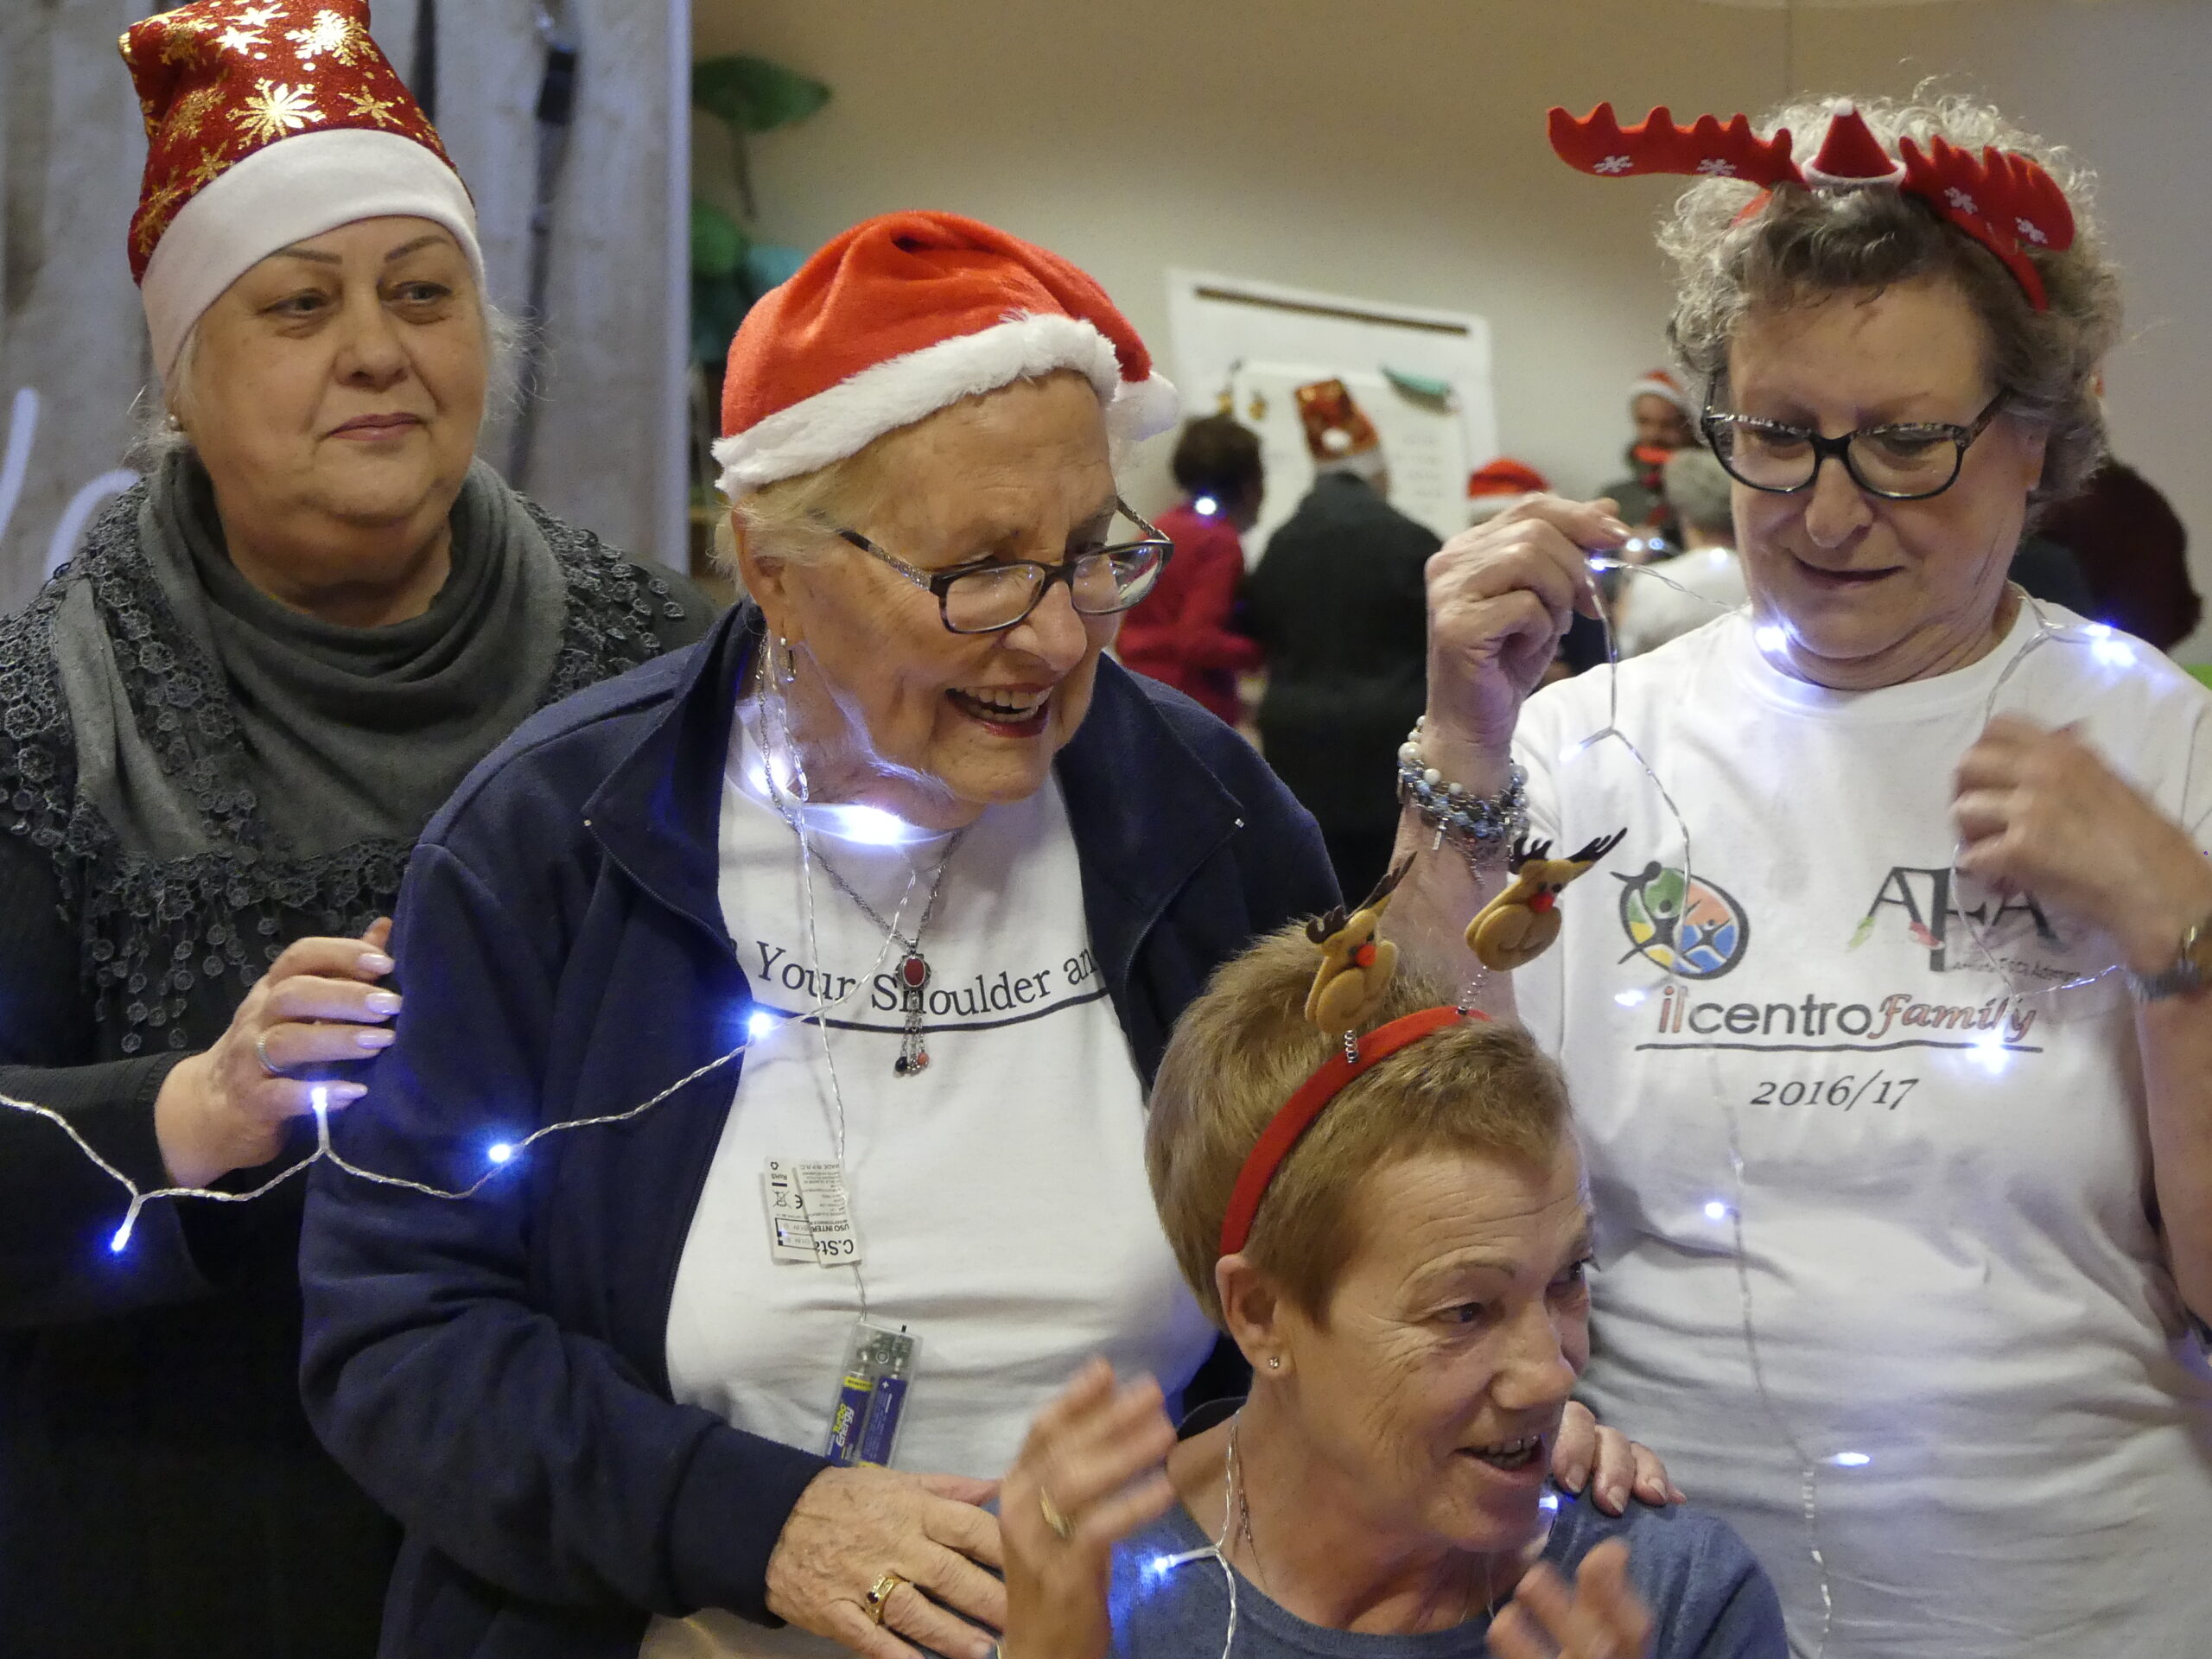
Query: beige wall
[(1395, 148)]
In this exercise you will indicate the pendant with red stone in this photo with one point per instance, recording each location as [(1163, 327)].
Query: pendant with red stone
[(913, 975)]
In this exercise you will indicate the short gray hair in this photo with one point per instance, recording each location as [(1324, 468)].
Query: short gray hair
[(1697, 487), (157, 433), (1808, 245)]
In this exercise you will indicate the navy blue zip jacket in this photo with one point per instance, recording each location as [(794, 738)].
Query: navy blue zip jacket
[(494, 1371)]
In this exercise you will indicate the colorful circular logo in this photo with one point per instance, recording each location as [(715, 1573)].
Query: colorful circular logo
[(1689, 926)]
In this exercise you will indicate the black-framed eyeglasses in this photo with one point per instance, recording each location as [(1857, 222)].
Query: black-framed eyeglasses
[(989, 595), (1901, 461)]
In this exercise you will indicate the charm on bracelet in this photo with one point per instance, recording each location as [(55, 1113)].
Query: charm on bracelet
[(1519, 925)]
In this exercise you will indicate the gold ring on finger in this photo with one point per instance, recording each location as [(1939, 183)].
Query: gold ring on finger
[(880, 1593), (261, 1054), (1062, 1527)]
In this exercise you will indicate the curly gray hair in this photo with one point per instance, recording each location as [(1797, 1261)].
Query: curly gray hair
[(1809, 245)]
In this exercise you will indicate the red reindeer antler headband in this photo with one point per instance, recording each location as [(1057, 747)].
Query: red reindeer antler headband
[(2003, 200)]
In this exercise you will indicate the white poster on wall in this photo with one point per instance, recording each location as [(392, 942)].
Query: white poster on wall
[(1422, 376)]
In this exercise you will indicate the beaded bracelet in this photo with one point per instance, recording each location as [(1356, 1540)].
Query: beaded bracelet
[(1474, 824)]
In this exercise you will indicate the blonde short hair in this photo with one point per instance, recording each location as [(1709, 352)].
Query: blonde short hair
[(1238, 1053)]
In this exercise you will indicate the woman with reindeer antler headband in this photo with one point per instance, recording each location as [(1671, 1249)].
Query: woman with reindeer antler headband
[(1894, 1048)]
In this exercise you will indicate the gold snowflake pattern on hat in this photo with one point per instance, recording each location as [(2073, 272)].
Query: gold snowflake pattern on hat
[(220, 79)]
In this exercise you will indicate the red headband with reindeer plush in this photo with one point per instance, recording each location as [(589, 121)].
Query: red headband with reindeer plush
[(1357, 963), (2002, 200)]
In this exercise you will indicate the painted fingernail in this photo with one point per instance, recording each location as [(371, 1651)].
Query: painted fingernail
[(1573, 1480), (375, 962), (343, 1094), (379, 1038), (382, 1001), (1615, 1499)]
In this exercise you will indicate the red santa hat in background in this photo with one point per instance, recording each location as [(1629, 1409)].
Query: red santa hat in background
[(267, 125), (1495, 486), (904, 315), (1659, 383)]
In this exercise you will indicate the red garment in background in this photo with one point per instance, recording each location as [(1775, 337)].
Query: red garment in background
[(2134, 553), (1182, 632)]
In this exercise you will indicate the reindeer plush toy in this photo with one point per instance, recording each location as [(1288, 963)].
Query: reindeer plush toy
[(1519, 925)]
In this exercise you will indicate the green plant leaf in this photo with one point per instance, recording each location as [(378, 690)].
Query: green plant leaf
[(719, 244), (753, 95)]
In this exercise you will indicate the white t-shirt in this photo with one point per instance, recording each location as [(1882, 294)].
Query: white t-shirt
[(999, 1195), (1949, 1276), (1680, 593)]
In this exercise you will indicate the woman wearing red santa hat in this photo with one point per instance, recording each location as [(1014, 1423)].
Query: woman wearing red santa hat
[(226, 723), (947, 873)]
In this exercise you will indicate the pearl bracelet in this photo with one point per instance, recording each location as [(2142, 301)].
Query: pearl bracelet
[(1474, 824)]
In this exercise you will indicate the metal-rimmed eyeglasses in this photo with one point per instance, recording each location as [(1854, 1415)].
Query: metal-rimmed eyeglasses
[(1907, 460), (989, 595)]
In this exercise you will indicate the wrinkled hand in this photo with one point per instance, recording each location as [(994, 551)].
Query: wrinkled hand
[(1094, 1453), (1588, 1454), (2039, 811), (318, 1005), (1499, 597), (852, 1526), (1602, 1617)]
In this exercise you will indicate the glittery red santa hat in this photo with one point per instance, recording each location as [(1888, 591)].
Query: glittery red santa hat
[(1506, 477), (904, 315), (267, 125)]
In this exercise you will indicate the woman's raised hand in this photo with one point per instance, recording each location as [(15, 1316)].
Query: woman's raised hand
[(912, 1542), (2039, 811), (1589, 1455), (1499, 597), (318, 1005), (1602, 1617), (1088, 1475)]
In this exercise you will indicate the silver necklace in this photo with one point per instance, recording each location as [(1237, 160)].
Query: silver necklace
[(913, 966)]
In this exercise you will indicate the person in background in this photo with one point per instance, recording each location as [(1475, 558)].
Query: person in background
[(1339, 606), (227, 721), (1664, 421), (2132, 552), (1497, 484), (1184, 633), (1706, 576)]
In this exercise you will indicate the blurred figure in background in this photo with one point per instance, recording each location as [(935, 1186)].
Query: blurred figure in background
[(1500, 484), (1707, 576), (2133, 555), (1339, 606), (1665, 422), (1184, 633)]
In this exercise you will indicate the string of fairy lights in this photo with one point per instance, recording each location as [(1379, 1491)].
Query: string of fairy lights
[(2107, 647)]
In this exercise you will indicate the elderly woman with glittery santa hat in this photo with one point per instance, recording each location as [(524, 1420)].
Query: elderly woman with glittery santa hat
[(226, 724), (790, 1005)]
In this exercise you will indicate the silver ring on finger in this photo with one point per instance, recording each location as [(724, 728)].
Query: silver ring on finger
[(261, 1054)]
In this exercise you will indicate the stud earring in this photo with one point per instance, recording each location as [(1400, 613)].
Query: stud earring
[(1275, 1361)]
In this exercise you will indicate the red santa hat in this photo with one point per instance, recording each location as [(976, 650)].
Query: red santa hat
[(904, 315), (267, 125), (1506, 476), (1661, 383)]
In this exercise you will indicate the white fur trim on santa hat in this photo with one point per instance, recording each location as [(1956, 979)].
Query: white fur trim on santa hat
[(884, 396), (1651, 385), (286, 193)]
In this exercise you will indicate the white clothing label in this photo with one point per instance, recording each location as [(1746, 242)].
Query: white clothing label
[(790, 1238), (1000, 1194), (829, 1215), (1955, 1290)]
